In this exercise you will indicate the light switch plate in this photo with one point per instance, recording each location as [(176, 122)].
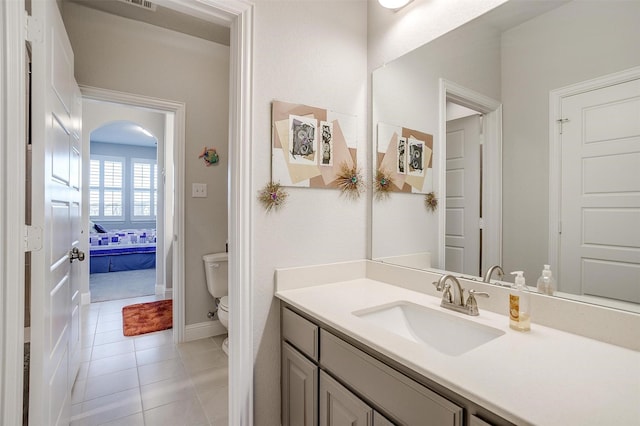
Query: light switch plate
[(199, 190)]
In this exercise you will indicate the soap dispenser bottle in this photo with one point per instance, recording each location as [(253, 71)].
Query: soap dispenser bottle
[(546, 282), (519, 304)]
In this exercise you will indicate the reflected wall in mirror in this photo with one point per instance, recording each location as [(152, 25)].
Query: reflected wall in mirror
[(575, 208)]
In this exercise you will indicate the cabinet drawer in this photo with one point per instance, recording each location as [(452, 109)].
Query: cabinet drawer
[(406, 401), (301, 333)]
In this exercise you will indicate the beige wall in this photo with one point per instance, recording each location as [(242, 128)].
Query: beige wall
[(311, 52), (124, 55)]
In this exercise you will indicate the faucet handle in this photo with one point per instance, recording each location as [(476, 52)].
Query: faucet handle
[(446, 289), (472, 305), (472, 293), (446, 296)]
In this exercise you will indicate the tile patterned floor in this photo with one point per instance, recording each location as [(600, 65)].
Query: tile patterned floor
[(146, 380)]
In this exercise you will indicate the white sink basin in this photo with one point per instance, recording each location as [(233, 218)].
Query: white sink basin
[(444, 332)]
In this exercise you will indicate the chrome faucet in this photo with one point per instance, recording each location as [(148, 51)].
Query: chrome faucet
[(487, 276), (441, 285), (456, 302)]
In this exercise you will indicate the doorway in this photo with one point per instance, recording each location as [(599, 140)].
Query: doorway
[(125, 195), (167, 118), (490, 195), (235, 14)]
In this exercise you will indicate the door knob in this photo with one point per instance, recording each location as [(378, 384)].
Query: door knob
[(76, 254)]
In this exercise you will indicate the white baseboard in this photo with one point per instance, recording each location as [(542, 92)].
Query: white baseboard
[(203, 330), (85, 298)]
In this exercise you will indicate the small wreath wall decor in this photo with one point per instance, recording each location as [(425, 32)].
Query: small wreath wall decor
[(210, 156), (350, 181), (382, 185), (431, 201), (272, 196)]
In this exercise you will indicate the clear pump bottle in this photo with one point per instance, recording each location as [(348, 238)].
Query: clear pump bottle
[(519, 304), (546, 282)]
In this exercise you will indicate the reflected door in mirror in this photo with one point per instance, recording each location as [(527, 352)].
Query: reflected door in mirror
[(600, 188), (462, 235)]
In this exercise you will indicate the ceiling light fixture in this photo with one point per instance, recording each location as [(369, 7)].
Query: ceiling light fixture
[(394, 4)]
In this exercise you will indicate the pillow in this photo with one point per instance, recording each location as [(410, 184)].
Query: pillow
[(99, 228)]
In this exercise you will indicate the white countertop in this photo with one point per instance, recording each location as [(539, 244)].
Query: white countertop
[(542, 377)]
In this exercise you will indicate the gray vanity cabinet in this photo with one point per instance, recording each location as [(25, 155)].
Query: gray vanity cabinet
[(301, 333), (405, 400), (339, 407), (299, 389), (477, 421), (327, 381), (379, 420), (299, 370)]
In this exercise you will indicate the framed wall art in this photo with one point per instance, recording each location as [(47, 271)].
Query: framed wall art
[(311, 146)]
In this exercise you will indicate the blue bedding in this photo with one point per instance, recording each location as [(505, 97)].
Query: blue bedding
[(126, 258), (118, 251)]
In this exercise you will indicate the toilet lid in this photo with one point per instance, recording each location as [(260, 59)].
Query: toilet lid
[(224, 303)]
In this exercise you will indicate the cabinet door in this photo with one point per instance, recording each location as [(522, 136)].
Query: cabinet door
[(339, 407), (380, 420), (299, 389)]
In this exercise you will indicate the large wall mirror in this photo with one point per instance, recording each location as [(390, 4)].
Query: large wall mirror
[(534, 109)]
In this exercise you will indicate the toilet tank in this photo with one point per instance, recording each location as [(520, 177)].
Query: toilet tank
[(216, 273)]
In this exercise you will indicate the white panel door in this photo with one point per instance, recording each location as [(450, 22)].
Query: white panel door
[(75, 192), (462, 222), (600, 193), (56, 202)]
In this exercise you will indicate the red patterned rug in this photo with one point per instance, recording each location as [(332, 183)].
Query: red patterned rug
[(147, 317)]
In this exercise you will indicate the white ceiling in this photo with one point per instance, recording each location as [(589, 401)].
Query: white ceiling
[(124, 132)]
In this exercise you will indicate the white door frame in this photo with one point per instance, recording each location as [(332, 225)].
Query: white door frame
[(12, 208), (556, 97), (177, 165), (238, 16), (491, 168)]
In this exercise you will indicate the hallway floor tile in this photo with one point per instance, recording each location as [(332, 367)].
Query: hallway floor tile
[(146, 380)]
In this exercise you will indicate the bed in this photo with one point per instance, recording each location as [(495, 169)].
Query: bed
[(122, 250)]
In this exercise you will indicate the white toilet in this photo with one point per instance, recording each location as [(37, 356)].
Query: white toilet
[(216, 271)]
